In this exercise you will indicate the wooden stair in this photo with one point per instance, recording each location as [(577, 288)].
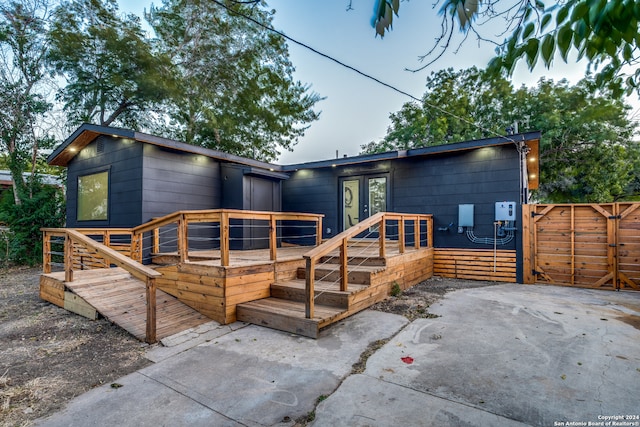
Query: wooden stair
[(121, 298), (285, 308)]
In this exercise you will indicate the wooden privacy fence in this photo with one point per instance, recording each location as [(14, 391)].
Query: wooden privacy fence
[(582, 245)]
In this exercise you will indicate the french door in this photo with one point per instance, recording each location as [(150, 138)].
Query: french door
[(362, 196)]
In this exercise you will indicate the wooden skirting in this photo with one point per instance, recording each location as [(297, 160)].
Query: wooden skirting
[(475, 264)]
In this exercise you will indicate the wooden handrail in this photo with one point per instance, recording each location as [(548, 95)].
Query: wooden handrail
[(337, 240), (341, 241), (136, 269), (146, 274)]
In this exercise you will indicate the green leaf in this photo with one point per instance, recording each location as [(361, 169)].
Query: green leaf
[(627, 52), (545, 21), (531, 51), (565, 34), (547, 49), (579, 11), (562, 14), (528, 30)]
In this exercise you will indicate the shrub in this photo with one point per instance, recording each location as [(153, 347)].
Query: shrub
[(23, 241)]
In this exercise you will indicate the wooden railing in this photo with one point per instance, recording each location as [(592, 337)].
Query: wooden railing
[(182, 219), (75, 239), (377, 222)]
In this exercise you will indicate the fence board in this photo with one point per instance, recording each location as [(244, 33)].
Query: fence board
[(585, 245)]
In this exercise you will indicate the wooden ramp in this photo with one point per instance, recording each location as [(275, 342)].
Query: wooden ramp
[(120, 298)]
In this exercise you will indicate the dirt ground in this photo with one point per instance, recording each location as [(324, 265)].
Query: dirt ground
[(49, 355)]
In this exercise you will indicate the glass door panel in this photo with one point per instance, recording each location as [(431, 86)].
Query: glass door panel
[(350, 202)]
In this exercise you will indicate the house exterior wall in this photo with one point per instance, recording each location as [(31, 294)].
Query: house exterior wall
[(123, 159), (434, 184), (176, 181)]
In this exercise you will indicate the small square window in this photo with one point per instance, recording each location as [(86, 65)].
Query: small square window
[(93, 197)]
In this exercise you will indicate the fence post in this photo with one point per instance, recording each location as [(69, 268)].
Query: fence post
[(68, 259), (273, 243), (382, 231), (150, 336), (183, 239), (344, 270), (46, 252), (401, 236), (309, 289), (319, 232), (224, 238)]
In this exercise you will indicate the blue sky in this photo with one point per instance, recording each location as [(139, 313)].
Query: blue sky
[(356, 110)]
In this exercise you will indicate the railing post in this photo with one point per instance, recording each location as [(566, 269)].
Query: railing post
[(46, 252), (309, 288), (344, 272), (68, 259), (319, 232), (430, 232), (150, 336), (273, 242), (401, 236), (183, 239), (156, 240), (224, 238), (136, 246), (416, 232), (382, 231)]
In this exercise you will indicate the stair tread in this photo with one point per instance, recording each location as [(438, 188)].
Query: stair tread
[(291, 308), (365, 268), (320, 285)]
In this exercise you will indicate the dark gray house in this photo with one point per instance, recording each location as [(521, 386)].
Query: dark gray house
[(474, 189)]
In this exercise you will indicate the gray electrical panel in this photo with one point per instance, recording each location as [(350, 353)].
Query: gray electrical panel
[(505, 211), (465, 215)]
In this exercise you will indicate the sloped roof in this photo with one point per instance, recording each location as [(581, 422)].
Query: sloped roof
[(86, 133)]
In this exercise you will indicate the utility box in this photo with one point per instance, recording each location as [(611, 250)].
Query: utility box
[(465, 215), (505, 211)]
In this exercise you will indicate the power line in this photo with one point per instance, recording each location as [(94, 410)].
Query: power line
[(363, 74)]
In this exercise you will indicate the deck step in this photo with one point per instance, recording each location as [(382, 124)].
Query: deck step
[(331, 273), (354, 260), (285, 315), (326, 293)]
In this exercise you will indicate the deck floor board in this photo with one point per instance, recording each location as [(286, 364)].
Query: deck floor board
[(123, 302)]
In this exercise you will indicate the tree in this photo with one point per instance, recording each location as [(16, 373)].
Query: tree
[(236, 92), (113, 76), (22, 105), (458, 105), (23, 109), (604, 32), (587, 152)]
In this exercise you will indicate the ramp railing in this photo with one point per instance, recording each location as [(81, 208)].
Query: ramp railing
[(75, 241)]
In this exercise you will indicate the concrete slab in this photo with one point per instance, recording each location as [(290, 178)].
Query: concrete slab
[(535, 354), (365, 401), (192, 337), (140, 401), (253, 376)]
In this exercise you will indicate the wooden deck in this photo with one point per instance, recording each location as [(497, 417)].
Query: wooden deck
[(120, 298), (298, 289), (252, 289)]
